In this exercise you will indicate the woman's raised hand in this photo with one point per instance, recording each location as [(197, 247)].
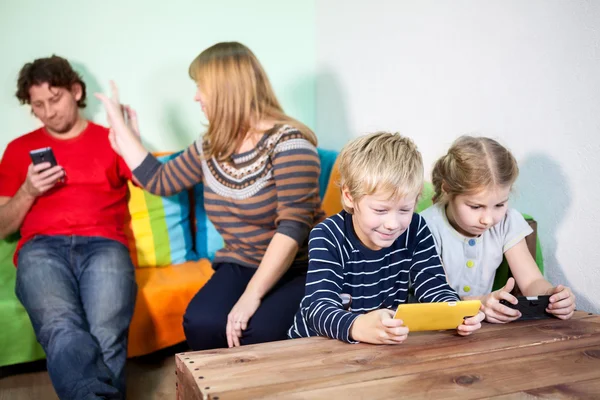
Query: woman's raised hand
[(122, 120)]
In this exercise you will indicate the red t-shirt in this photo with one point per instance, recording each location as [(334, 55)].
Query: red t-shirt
[(92, 201)]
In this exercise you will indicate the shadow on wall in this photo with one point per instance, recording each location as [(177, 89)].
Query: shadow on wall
[(332, 127), (543, 191), (302, 108), (177, 117), (94, 107), (177, 126)]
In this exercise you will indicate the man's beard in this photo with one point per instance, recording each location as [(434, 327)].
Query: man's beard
[(64, 127)]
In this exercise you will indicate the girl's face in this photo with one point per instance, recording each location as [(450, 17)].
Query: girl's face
[(200, 97), (471, 215)]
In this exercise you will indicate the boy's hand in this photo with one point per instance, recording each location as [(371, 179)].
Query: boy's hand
[(496, 312), (471, 324), (379, 327), (562, 302)]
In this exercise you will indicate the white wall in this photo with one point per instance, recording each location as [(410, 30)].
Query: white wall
[(526, 73), (146, 47)]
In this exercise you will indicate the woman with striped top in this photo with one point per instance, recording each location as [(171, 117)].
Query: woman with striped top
[(260, 171), (374, 250)]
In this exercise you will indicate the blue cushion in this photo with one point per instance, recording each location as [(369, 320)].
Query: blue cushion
[(208, 239), (327, 158)]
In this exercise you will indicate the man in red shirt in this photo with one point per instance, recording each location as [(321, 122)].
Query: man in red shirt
[(75, 277)]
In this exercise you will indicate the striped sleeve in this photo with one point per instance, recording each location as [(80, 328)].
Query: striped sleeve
[(172, 177), (427, 275), (296, 170), (322, 306)]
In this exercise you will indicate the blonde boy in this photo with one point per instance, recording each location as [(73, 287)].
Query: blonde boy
[(373, 250)]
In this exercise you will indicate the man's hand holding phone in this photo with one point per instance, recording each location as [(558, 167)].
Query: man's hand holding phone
[(43, 173)]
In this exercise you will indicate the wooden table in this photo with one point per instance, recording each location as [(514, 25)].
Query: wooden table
[(530, 359)]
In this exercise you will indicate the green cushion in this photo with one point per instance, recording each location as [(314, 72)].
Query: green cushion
[(425, 198), (503, 271), (17, 339)]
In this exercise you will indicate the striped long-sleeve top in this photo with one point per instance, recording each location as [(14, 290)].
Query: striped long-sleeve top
[(252, 195), (340, 263)]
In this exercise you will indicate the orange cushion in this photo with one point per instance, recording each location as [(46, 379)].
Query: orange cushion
[(332, 201), (163, 296)]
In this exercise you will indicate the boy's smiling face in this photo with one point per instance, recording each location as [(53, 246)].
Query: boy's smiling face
[(378, 219)]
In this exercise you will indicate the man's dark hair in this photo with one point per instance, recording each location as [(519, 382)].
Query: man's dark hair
[(55, 71)]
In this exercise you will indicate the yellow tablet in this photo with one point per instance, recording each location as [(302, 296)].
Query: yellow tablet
[(436, 316)]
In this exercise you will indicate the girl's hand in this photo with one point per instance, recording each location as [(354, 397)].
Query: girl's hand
[(471, 324), (240, 314), (496, 312), (379, 327), (562, 302)]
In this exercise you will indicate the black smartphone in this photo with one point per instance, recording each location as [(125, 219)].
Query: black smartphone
[(531, 308), (44, 154)]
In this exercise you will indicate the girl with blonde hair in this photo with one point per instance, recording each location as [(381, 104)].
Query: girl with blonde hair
[(260, 171), (473, 228)]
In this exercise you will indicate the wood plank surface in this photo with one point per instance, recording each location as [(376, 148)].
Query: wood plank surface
[(282, 352), (286, 389), (589, 389), (186, 386), (472, 381), (319, 367)]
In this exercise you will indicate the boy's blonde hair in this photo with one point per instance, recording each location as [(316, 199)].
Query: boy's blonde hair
[(239, 95), (381, 162), (471, 165)]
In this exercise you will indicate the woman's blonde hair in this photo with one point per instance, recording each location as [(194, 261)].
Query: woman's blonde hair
[(471, 165), (239, 95), (381, 162)]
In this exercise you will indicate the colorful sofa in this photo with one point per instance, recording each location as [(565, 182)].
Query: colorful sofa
[(171, 243)]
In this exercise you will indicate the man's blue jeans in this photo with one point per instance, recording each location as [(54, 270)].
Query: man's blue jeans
[(80, 294)]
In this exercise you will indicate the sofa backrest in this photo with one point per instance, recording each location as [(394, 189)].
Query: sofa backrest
[(171, 230), (167, 227)]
